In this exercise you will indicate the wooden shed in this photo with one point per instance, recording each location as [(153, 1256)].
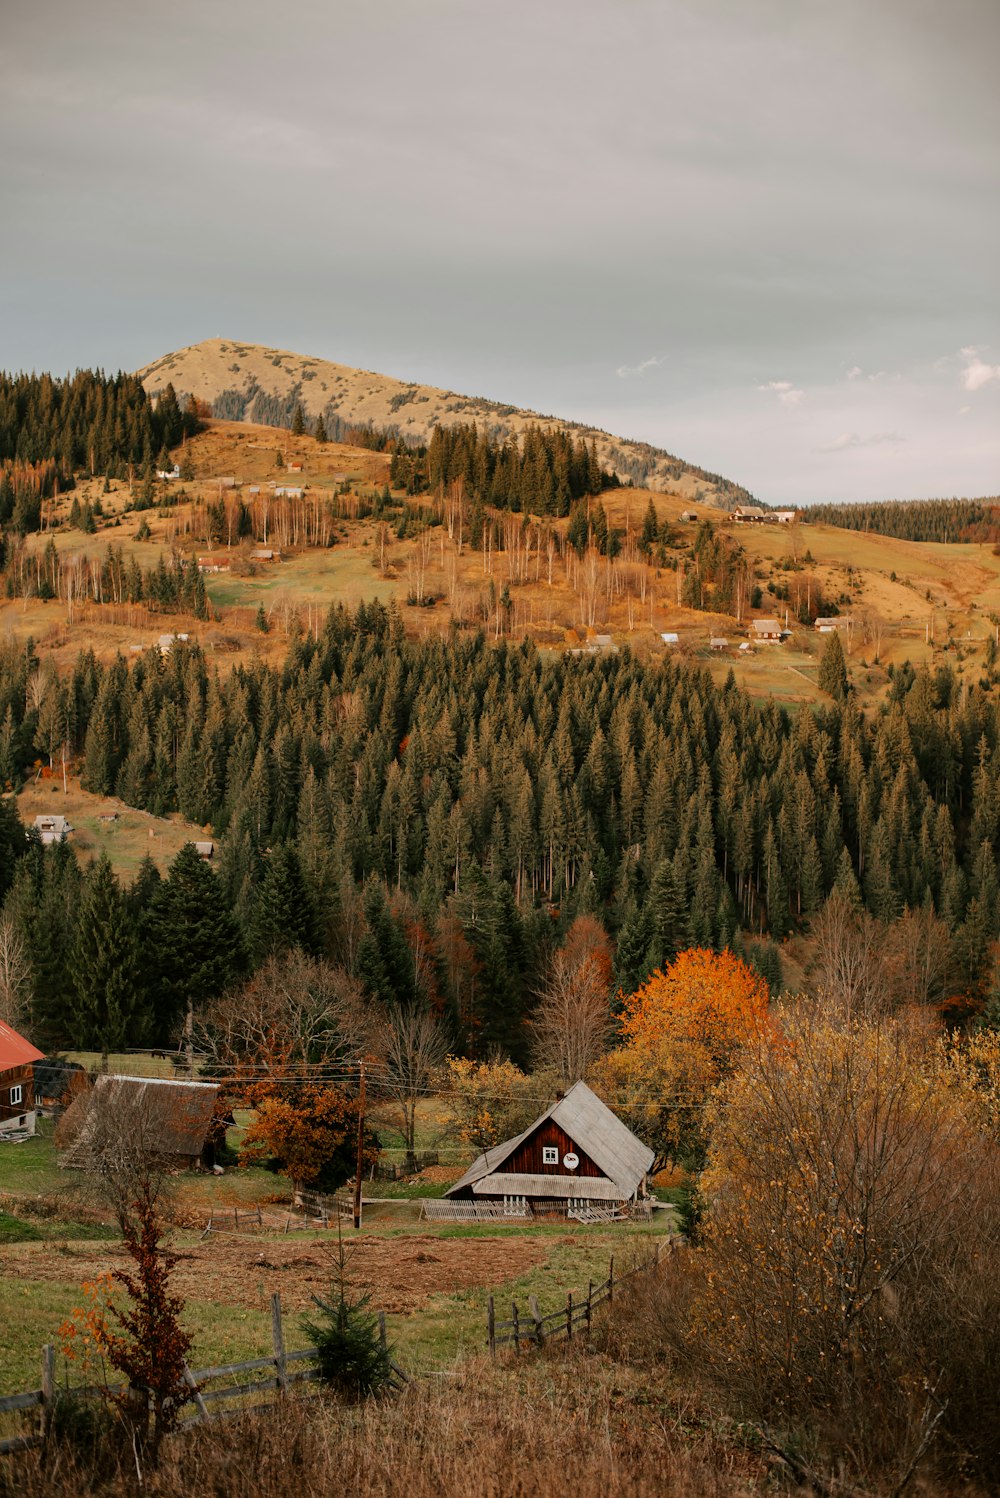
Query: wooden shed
[(578, 1154), (178, 1115)]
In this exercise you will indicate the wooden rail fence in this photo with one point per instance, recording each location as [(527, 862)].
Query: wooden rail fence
[(278, 1380), (533, 1329)]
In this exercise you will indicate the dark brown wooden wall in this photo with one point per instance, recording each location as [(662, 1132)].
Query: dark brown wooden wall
[(527, 1158), (17, 1076)]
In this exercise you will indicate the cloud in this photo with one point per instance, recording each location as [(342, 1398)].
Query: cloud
[(848, 440), (977, 373), (855, 372), (787, 393), (625, 370), (964, 410)]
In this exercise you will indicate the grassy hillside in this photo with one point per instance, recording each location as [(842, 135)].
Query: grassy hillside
[(908, 600), (246, 382)]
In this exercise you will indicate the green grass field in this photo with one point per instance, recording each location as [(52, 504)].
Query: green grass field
[(441, 1327)]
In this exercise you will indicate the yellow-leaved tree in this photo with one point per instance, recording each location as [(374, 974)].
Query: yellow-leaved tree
[(681, 1033)]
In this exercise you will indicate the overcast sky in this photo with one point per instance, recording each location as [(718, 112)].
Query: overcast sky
[(764, 234)]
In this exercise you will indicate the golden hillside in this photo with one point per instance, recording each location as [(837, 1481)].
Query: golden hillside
[(246, 382)]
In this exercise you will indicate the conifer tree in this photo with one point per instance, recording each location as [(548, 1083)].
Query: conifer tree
[(103, 966), (833, 668), (199, 945)]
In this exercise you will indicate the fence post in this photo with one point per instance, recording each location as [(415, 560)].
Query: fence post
[(491, 1327), (536, 1316), (569, 1316), (590, 1309), (278, 1338), (517, 1330), (48, 1388), (611, 1280), (200, 1405)]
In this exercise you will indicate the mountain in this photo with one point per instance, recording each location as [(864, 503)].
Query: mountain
[(247, 382)]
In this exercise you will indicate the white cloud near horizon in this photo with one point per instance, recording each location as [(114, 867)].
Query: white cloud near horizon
[(787, 393), (977, 372), (848, 440), (855, 372), (624, 371)]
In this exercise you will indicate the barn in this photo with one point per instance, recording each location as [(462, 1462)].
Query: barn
[(576, 1157), (178, 1116)]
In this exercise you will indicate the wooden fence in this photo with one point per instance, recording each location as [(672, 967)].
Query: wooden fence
[(533, 1329), (279, 1374)]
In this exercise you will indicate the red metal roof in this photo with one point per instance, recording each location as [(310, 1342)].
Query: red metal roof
[(15, 1050)]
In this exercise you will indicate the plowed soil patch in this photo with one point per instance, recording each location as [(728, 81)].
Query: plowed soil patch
[(400, 1272)]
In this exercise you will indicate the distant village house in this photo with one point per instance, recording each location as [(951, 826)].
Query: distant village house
[(750, 515), (768, 630), (52, 829)]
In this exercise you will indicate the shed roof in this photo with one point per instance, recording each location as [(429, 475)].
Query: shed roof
[(15, 1050), (592, 1126), (180, 1113), (767, 626)]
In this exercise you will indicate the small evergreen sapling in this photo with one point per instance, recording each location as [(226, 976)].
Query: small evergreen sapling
[(351, 1355)]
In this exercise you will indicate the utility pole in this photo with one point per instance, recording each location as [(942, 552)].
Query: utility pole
[(361, 1147)]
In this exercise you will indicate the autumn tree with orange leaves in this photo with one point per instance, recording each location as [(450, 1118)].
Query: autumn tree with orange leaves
[(309, 1132), (681, 1034)]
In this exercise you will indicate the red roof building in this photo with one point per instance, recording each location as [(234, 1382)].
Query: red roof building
[(17, 1083)]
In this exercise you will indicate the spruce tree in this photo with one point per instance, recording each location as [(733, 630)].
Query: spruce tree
[(280, 916), (298, 421), (103, 966), (192, 929), (833, 668)]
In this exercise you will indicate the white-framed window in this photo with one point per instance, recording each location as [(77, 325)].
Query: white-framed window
[(550, 1154), (16, 1094)]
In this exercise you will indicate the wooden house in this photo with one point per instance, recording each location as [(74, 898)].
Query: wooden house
[(749, 515), (577, 1155), (177, 1117), (17, 1084), (52, 829), (767, 629)]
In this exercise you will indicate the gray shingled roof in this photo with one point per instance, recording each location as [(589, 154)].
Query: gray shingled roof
[(593, 1127)]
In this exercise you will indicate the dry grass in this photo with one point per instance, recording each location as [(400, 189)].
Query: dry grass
[(126, 841), (576, 1424)]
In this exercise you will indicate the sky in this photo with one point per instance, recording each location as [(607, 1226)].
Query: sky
[(763, 234)]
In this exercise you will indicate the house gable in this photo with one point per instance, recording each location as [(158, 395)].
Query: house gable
[(529, 1156)]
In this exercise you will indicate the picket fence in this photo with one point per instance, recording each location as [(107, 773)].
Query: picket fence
[(283, 1375)]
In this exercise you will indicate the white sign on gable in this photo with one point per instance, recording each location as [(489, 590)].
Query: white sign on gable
[(571, 1161)]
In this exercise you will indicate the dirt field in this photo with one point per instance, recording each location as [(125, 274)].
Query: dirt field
[(401, 1271)]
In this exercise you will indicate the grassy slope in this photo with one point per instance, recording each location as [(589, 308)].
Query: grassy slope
[(915, 588)]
